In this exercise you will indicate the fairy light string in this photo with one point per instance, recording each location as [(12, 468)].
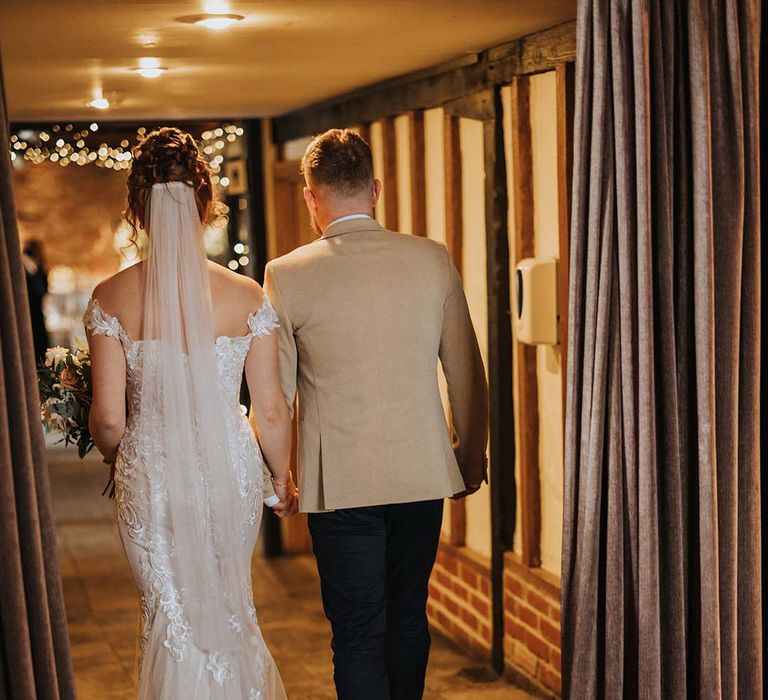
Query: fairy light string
[(64, 145)]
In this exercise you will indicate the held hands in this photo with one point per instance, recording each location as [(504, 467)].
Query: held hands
[(288, 494)]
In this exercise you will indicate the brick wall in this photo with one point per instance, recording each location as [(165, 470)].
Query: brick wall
[(532, 623), (460, 608), (460, 598), (74, 211)]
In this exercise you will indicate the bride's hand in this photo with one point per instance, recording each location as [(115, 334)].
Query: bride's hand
[(289, 498)]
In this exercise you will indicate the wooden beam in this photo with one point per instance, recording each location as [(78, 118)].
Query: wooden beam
[(453, 189), (527, 384), (418, 174), (454, 235), (540, 51), (391, 208), (478, 105), (433, 88), (564, 76), (500, 349), (365, 132), (256, 203), (271, 532)]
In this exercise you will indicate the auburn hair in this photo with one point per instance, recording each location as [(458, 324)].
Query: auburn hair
[(169, 155)]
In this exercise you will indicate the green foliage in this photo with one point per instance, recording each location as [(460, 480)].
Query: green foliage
[(64, 378)]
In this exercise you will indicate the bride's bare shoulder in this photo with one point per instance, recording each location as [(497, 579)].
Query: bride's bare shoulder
[(115, 288), (235, 290)]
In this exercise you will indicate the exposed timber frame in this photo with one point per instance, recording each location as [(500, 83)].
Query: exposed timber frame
[(435, 86)]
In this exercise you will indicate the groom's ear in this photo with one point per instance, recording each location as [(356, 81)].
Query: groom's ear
[(309, 200), (376, 191)]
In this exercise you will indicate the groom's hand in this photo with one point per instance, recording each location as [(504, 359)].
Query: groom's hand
[(471, 488), (288, 507)]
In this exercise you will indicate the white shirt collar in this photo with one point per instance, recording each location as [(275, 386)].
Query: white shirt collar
[(348, 217)]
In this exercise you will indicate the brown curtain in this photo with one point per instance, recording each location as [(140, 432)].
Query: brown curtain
[(661, 547), (34, 647)]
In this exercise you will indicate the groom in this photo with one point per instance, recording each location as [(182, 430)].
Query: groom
[(365, 314)]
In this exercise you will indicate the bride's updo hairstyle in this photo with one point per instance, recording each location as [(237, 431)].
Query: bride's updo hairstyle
[(169, 155)]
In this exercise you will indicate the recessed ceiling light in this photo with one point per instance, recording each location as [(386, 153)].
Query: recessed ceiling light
[(151, 72), (212, 20), (99, 103), (150, 68)]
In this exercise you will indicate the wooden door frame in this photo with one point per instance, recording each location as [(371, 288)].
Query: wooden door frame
[(486, 106)]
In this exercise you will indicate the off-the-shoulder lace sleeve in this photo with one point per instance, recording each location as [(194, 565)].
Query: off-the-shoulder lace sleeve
[(99, 322), (263, 321)]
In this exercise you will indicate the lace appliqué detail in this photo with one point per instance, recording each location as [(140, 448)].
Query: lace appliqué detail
[(220, 668), (141, 490), (263, 321), (99, 322)]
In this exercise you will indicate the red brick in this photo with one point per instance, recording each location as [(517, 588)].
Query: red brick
[(513, 628), (555, 614), (510, 605), (469, 577), (435, 592), (442, 578), (485, 586), (451, 565), (481, 606), (538, 602), (442, 619), (451, 606), (550, 678), (524, 659), (528, 616), (556, 661), (459, 589), (537, 645), (516, 586), (550, 632), (469, 619), (485, 633)]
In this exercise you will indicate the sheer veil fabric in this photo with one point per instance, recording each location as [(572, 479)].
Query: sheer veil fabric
[(194, 471)]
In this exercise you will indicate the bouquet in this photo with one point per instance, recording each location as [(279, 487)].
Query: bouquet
[(65, 395)]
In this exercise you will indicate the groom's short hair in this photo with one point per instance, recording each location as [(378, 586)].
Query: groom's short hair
[(340, 160)]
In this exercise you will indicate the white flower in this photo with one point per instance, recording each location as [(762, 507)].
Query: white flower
[(55, 355)]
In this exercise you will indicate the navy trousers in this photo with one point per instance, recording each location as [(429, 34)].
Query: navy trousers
[(374, 565)]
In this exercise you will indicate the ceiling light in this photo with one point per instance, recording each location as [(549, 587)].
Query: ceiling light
[(99, 103), (150, 68), (212, 20), (151, 72)]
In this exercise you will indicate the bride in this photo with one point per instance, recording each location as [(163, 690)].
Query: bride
[(169, 339)]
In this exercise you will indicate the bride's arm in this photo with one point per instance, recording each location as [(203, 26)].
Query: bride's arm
[(270, 411), (107, 416)]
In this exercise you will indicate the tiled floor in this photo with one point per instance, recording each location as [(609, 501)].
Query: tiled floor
[(102, 607)]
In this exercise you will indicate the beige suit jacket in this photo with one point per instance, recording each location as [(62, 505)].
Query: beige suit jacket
[(365, 314)]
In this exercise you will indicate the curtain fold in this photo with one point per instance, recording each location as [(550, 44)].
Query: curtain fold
[(661, 524), (34, 645)]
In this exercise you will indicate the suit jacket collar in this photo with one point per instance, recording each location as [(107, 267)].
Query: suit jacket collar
[(352, 226)]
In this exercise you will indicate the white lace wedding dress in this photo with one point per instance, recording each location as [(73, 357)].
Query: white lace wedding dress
[(172, 664)]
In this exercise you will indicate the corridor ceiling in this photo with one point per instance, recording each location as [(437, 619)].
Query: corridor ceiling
[(58, 54)]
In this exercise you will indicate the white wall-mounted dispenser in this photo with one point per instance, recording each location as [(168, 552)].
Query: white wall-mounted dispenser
[(535, 304)]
